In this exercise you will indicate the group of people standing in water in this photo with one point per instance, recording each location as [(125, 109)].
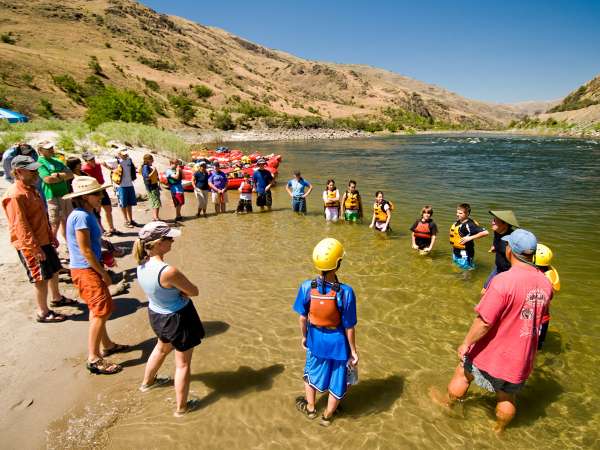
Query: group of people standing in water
[(497, 352)]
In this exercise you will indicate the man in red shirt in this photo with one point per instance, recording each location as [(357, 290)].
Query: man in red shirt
[(499, 350), (94, 169), (32, 237)]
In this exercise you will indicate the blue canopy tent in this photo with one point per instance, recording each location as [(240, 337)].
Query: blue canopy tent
[(12, 116)]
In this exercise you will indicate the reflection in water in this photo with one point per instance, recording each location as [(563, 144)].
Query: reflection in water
[(412, 311)]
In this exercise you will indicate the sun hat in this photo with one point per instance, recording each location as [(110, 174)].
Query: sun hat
[(522, 242), (85, 185), (87, 156), (156, 230), (25, 148), (46, 145), (506, 216), (24, 162), (202, 163)]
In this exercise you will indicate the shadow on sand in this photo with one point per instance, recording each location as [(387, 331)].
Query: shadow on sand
[(370, 396), (123, 306), (237, 384)]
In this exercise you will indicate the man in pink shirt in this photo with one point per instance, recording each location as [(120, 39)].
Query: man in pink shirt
[(499, 350)]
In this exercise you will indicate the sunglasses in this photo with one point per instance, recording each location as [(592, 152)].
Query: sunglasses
[(167, 238)]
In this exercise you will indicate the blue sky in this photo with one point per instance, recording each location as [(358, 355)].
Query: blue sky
[(503, 51)]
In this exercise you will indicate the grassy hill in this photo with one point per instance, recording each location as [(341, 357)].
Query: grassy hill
[(57, 57), (584, 96)]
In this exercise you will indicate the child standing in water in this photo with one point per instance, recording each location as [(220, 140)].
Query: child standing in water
[(245, 204), (351, 203), (327, 310), (331, 200), (424, 231), (462, 234), (382, 213), (542, 260)]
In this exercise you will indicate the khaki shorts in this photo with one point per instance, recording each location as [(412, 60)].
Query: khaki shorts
[(58, 210), (216, 200), (202, 197)]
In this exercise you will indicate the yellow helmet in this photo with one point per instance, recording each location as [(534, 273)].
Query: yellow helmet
[(543, 255), (327, 254)]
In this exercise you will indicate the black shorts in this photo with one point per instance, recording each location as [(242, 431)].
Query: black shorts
[(489, 382), (264, 199), (244, 205), (182, 329), (40, 270), (105, 199)]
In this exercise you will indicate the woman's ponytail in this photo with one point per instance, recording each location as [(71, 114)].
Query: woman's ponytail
[(139, 251)]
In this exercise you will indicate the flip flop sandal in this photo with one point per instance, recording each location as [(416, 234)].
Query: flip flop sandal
[(192, 405), (302, 406), (50, 317), (103, 367), (326, 421), (158, 381), (128, 224), (63, 301), (118, 348), (108, 234)]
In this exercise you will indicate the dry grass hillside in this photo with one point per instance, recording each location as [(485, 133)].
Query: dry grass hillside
[(581, 106), (55, 55)]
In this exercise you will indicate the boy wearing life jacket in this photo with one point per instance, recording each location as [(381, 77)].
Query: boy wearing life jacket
[(351, 203), (462, 234), (174, 176), (382, 213), (331, 201), (245, 204), (327, 310), (542, 260), (424, 231)]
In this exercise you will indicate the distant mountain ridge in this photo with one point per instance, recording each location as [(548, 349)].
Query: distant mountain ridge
[(55, 52)]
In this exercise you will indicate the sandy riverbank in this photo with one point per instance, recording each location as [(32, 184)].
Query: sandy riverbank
[(43, 365)]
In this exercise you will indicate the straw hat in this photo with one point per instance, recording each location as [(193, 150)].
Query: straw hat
[(85, 185), (506, 216)]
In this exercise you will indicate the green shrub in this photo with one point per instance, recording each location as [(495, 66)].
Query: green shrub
[(46, 110), (203, 91), (99, 139), (118, 105), (7, 38), (151, 84), (4, 101), (253, 110), (222, 120), (95, 66), (313, 110), (184, 107), (159, 107), (66, 141), (93, 86), (158, 64), (69, 86)]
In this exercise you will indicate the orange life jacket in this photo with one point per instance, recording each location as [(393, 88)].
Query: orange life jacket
[(422, 230), (324, 311), (246, 187)]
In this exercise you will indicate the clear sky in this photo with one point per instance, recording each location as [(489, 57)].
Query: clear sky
[(502, 51)]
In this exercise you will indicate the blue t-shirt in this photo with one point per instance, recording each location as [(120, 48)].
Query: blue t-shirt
[(218, 179), (80, 219), (201, 180), (298, 186), (261, 179), (324, 343), (175, 185)]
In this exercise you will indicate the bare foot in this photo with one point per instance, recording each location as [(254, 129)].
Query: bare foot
[(438, 398)]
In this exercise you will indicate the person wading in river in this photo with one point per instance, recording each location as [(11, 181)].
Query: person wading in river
[(172, 314), (499, 350), (327, 310)]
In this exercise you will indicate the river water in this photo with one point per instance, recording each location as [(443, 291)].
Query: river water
[(413, 311)]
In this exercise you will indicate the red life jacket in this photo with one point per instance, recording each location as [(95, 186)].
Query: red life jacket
[(323, 310), (422, 230), (246, 187)]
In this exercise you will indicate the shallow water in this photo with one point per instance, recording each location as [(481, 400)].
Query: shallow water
[(413, 311)]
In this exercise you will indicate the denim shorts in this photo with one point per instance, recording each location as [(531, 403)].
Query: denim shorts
[(299, 204)]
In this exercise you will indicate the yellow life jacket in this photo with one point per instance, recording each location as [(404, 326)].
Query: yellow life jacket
[(352, 200), (552, 275), (332, 202), (117, 174), (455, 236), (380, 213)]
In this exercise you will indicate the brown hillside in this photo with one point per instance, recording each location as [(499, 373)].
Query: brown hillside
[(161, 56), (584, 96)]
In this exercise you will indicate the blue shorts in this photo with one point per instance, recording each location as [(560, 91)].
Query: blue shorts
[(326, 375), (299, 204), (464, 262), (126, 196), (490, 277)]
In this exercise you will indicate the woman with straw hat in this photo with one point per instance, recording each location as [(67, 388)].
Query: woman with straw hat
[(87, 271)]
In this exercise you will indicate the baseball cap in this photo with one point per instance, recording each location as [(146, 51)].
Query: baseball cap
[(87, 156), (24, 162), (202, 163), (522, 242), (261, 161), (46, 145), (156, 230)]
